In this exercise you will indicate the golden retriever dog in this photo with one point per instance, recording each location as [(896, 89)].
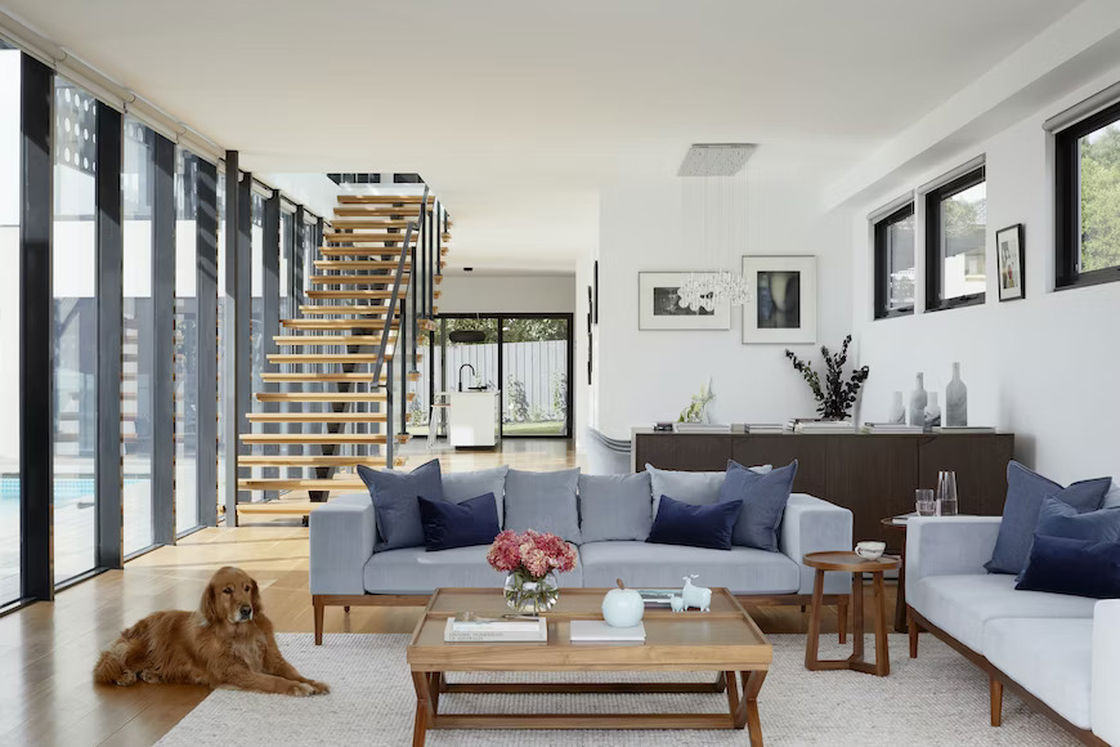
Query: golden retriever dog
[(226, 642)]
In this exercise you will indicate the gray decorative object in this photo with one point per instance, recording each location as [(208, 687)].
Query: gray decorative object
[(898, 410), (932, 412), (918, 400), (956, 400)]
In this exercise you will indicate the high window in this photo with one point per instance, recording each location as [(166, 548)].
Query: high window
[(956, 235), (186, 341), (10, 482), (894, 263), (1087, 163)]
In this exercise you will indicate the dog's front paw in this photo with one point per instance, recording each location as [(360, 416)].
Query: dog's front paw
[(150, 676), (301, 689), (127, 678), (321, 688)]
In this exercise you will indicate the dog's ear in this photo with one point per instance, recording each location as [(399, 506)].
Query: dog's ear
[(257, 608), (209, 605)]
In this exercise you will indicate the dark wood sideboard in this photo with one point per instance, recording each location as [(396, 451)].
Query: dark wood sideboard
[(873, 475)]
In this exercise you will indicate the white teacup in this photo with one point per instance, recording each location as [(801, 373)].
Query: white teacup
[(870, 549)]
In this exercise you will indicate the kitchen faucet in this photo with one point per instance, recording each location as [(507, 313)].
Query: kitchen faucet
[(473, 373)]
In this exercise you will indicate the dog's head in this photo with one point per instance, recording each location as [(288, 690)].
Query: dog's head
[(231, 596)]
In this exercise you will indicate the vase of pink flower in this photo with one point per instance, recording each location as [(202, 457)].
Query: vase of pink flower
[(531, 561)]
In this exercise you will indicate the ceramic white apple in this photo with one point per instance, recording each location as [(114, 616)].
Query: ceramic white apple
[(622, 607)]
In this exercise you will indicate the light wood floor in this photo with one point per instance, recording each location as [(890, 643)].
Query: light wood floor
[(48, 649)]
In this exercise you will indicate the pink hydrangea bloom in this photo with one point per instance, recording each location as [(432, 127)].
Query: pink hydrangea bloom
[(532, 553)]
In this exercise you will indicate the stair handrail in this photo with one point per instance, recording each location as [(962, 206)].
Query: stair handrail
[(391, 308)]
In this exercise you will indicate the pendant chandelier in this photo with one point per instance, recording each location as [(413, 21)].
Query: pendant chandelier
[(715, 209)]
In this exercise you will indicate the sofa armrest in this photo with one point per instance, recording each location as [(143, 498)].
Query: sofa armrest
[(342, 533), (948, 546), (812, 525), (1103, 713)]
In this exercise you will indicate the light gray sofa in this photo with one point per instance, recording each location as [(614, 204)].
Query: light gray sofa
[(345, 569), (1061, 652)]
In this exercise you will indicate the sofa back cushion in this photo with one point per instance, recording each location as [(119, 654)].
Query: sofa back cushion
[(462, 486), (614, 507), (543, 501), (1084, 568), (395, 507), (448, 525), (764, 497), (1026, 490), (697, 488), (1112, 497), (680, 523), (1058, 519)]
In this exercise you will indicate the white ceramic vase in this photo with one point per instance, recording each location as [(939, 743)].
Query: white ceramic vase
[(898, 410), (918, 401), (956, 400), (932, 412)]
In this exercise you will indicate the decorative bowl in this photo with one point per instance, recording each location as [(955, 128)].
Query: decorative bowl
[(870, 549)]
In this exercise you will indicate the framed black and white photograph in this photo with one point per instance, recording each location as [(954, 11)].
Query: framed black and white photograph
[(1009, 256), (783, 304), (595, 282), (659, 304)]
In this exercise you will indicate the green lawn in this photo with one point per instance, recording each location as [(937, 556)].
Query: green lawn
[(542, 428)]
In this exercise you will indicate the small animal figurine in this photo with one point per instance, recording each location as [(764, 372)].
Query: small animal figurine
[(699, 597), (676, 602)]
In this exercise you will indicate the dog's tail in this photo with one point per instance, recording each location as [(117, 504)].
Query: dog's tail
[(109, 668)]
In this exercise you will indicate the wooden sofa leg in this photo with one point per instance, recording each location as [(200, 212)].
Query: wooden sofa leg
[(842, 619), (320, 608), (912, 630), (995, 691)]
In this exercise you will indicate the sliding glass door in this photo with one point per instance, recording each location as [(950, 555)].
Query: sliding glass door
[(10, 483)]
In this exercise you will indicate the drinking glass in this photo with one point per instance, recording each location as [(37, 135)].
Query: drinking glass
[(947, 493), (924, 502)]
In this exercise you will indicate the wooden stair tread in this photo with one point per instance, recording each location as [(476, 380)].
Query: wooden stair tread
[(360, 211), (364, 251), (316, 417), (362, 378), (280, 483), (365, 238), (350, 264), (323, 396), (294, 340), (371, 309), (319, 438), (356, 295), (367, 323), (357, 224), (347, 199), (327, 358), (280, 460)]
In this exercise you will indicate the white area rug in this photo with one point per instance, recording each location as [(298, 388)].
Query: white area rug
[(937, 699)]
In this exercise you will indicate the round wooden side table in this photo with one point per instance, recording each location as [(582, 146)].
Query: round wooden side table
[(849, 562)]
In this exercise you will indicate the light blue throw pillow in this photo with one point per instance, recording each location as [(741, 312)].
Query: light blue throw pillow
[(544, 502), (1026, 490), (463, 486), (614, 507), (697, 488), (764, 498), (395, 505)]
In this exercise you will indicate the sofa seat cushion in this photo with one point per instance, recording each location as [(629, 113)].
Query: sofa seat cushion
[(1050, 657), (961, 605), (414, 570), (743, 570)]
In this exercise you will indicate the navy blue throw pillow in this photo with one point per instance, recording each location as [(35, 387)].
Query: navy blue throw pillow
[(394, 497), (470, 522), (680, 523), (1025, 492), (764, 497), (1071, 566)]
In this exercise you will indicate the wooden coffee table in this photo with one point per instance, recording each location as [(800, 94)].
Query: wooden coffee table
[(725, 640)]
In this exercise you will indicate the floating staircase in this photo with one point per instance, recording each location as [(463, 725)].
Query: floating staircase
[(336, 390)]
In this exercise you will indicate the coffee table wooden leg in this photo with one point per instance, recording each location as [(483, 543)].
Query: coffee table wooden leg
[(435, 687), (857, 617), (882, 653), (734, 703), (424, 713), (752, 683), (812, 641)]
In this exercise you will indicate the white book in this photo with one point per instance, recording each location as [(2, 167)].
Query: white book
[(539, 635), (963, 429), (469, 624), (701, 428), (597, 631)]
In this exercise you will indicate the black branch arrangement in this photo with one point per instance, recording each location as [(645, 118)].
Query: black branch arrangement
[(835, 400)]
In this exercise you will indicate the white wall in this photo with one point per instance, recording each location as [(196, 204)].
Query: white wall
[(644, 376), (482, 293), (1044, 367)]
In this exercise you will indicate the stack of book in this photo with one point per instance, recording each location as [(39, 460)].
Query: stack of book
[(947, 429), (892, 428), (824, 426), (701, 428), (466, 628), (765, 428), (597, 631)]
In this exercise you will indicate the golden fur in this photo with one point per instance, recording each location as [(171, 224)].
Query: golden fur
[(227, 642)]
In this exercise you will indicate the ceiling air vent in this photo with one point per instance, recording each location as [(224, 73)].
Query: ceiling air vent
[(715, 159)]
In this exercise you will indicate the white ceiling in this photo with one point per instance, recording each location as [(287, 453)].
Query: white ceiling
[(516, 112)]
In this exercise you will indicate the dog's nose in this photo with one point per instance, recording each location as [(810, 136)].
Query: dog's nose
[(246, 610)]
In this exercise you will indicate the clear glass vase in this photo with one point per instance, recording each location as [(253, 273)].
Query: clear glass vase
[(531, 596)]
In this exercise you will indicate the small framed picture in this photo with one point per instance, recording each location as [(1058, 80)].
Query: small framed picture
[(1009, 256), (659, 304), (783, 304)]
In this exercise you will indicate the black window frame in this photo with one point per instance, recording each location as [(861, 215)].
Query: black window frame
[(1067, 206), (934, 260), (882, 279)]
